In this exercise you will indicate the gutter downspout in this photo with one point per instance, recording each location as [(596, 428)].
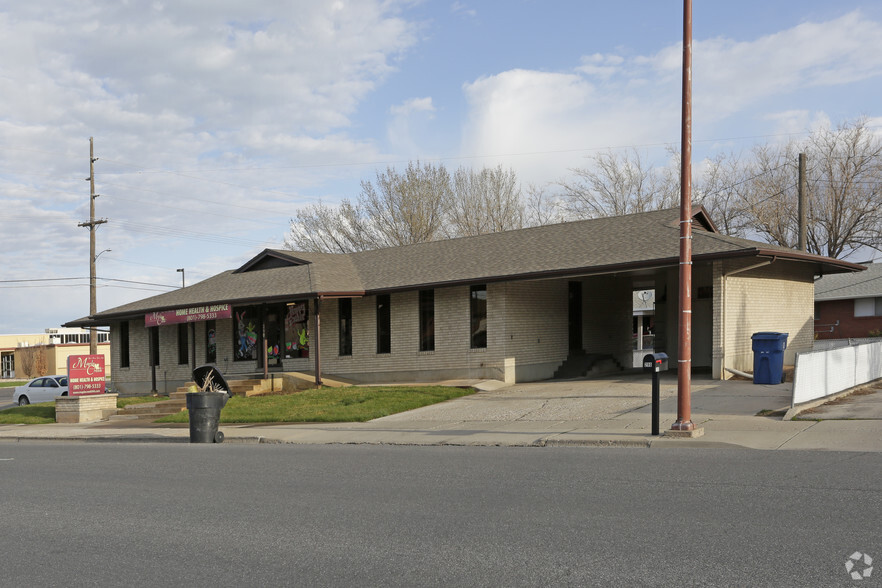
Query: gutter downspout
[(726, 305)]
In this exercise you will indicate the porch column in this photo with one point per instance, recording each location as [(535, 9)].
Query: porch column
[(192, 346), (318, 341)]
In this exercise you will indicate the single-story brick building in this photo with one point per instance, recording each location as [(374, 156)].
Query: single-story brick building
[(849, 306), (513, 306)]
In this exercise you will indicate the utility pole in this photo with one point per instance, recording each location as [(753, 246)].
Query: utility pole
[(803, 208), (684, 422), (92, 225)]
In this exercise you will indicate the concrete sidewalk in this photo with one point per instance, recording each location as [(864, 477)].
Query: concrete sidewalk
[(609, 412)]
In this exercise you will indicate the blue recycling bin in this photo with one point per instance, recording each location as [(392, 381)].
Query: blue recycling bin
[(768, 357)]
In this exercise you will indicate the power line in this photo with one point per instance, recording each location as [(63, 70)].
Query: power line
[(85, 278)]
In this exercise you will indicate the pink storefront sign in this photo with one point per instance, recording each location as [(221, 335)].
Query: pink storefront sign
[(86, 375), (188, 315)]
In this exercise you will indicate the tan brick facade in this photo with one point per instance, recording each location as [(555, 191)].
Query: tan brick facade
[(778, 297), (527, 329), (527, 337)]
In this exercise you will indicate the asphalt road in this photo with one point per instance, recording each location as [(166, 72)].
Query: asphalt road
[(245, 515)]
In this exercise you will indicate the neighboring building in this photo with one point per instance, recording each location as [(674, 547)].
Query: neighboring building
[(849, 306), (511, 306), (53, 346)]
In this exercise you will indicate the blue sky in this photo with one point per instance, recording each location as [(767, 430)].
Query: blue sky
[(215, 121)]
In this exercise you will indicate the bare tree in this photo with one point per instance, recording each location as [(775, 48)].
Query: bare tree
[(542, 208), (421, 204), (616, 184), (395, 209), (486, 201), (844, 184), (402, 209), (845, 190), (319, 227), (722, 189), (32, 361)]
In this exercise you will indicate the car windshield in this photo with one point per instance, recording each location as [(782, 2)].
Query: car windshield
[(62, 381)]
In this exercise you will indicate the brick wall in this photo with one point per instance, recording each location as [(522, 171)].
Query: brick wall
[(777, 297), (527, 330), (850, 326)]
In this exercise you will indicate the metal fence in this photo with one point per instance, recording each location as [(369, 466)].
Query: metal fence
[(822, 344), (821, 373)]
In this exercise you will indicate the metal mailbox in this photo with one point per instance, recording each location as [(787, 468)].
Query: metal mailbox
[(655, 362)]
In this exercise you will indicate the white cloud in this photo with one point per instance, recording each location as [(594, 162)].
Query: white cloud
[(610, 101), (413, 105), (599, 65), (460, 8), (176, 86), (408, 119)]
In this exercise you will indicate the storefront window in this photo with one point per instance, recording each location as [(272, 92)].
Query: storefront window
[(297, 329), (210, 342), (245, 329)]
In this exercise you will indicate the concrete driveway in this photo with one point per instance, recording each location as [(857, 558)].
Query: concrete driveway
[(625, 401)]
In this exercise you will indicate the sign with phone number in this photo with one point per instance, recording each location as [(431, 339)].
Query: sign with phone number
[(86, 375), (188, 315)]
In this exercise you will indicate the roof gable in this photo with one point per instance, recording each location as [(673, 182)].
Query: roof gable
[(270, 259)]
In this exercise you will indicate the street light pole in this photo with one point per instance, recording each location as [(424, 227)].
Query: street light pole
[(183, 285)]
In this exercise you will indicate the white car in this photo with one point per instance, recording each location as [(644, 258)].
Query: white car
[(44, 389)]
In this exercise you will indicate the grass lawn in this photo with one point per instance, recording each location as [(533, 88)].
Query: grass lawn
[(44, 412), (32, 414), (10, 384), (329, 405)]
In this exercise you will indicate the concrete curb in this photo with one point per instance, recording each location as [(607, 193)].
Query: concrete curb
[(795, 411)]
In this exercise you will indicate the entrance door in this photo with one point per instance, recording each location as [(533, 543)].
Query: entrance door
[(575, 315), (274, 344), (8, 368)]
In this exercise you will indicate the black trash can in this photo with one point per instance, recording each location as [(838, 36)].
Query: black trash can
[(205, 407)]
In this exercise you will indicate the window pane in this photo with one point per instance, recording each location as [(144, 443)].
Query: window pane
[(124, 344), (384, 323), (154, 346), (864, 307), (183, 354), (210, 342), (878, 306), (427, 320), (478, 306), (344, 308)]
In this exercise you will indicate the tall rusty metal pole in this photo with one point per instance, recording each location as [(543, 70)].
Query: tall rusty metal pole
[(684, 339)]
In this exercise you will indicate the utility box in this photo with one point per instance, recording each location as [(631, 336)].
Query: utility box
[(655, 362), (768, 357)]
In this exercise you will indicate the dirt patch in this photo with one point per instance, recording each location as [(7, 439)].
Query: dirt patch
[(849, 398)]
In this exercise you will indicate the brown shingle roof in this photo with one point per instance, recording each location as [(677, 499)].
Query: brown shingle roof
[(642, 240)]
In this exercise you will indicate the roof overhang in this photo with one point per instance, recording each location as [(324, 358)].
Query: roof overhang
[(107, 318)]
